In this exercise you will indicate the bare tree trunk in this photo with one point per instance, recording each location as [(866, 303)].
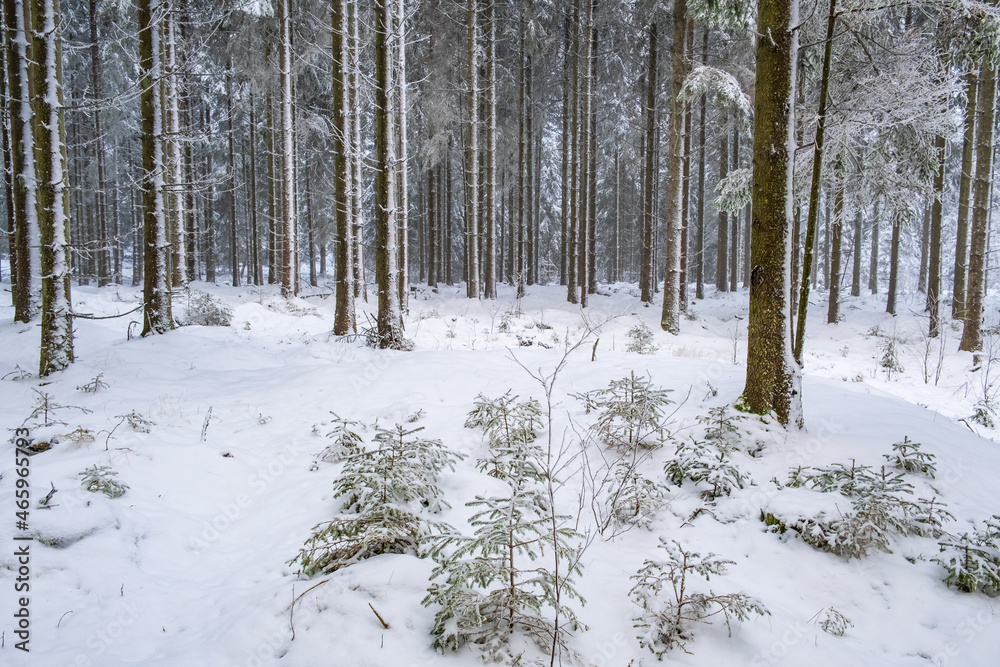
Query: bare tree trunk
[(390, 322), (489, 267), (289, 226), (583, 264), (26, 286), (734, 230), (858, 239), (700, 242), (836, 244), (344, 318), (924, 246), (403, 164), (972, 334), (650, 177), (934, 260), (722, 244), (670, 319), (357, 216), (965, 198), (104, 273), (234, 248), (564, 241), (897, 229), (873, 262), (472, 157)]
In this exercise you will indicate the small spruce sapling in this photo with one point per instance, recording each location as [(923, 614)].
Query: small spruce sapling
[(511, 428), (663, 590), (631, 413), (835, 623), (907, 457), (385, 492), (101, 479), (707, 465), (721, 426), (640, 340), (973, 561), (346, 440)]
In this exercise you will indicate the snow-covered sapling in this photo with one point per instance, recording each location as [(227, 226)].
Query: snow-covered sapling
[(492, 587), (511, 427), (721, 426), (907, 456), (671, 605), (709, 466), (101, 479), (973, 561), (205, 311), (631, 413), (385, 492), (640, 340), (95, 385), (345, 440)]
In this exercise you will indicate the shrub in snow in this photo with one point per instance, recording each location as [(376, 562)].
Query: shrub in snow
[(95, 385), (101, 479), (835, 623), (709, 466), (621, 496), (203, 310), (491, 589), (640, 340), (881, 502), (137, 422), (907, 457), (973, 561), (631, 413), (385, 492), (670, 603)]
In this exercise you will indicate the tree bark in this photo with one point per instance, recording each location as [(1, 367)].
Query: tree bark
[(490, 223), (649, 180), (971, 333), (343, 165), (722, 242), (289, 226), (836, 244), (965, 198), (773, 382), (934, 259), (472, 156), (670, 318)]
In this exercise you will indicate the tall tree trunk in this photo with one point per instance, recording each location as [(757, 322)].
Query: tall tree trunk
[(27, 282), (934, 260), (700, 242), (586, 101), (155, 291), (773, 381), (564, 268), (273, 249), (873, 262), (390, 321), (490, 223), (234, 248), (722, 244), (56, 351), (836, 244), (104, 269), (343, 321), (403, 164), (592, 168), (289, 226), (925, 232), (8, 171), (472, 157), (858, 239), (173, 172), (734, 230), (210, 255), (357, 192), (897, 232), (814, 190), (971, 333), (575, 185), (965, 197), (650, 176), (670, 319), (254, 229)]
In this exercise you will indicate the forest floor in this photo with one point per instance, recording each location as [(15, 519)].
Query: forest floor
[(190, 566)]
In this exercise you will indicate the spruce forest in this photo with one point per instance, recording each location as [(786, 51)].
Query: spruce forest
[(527, 332)]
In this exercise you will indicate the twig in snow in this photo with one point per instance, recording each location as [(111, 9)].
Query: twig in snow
[(379, 617), (204, 427)]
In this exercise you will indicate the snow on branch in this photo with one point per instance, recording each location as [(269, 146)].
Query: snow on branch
[(722, 85), (734, 190)]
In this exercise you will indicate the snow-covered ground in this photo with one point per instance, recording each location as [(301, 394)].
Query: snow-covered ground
[(190, 566)]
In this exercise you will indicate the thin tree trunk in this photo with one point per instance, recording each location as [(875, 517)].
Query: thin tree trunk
[(897, 230), (873, 263), (965, 198), (289, 227), (836, 244), (858, 239), (700, 242), (734, 219), (234, 248), (650, 191), (403, 163), (722, 244), (472, 157), (925, 231), (490, 222), (934, 260), (564, 268), (670, 319), (814, 191), (357, 215)]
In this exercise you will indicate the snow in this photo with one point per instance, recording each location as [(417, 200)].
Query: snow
[(190, 565)]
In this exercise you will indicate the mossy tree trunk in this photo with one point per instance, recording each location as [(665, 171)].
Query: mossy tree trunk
[(773, 382)]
